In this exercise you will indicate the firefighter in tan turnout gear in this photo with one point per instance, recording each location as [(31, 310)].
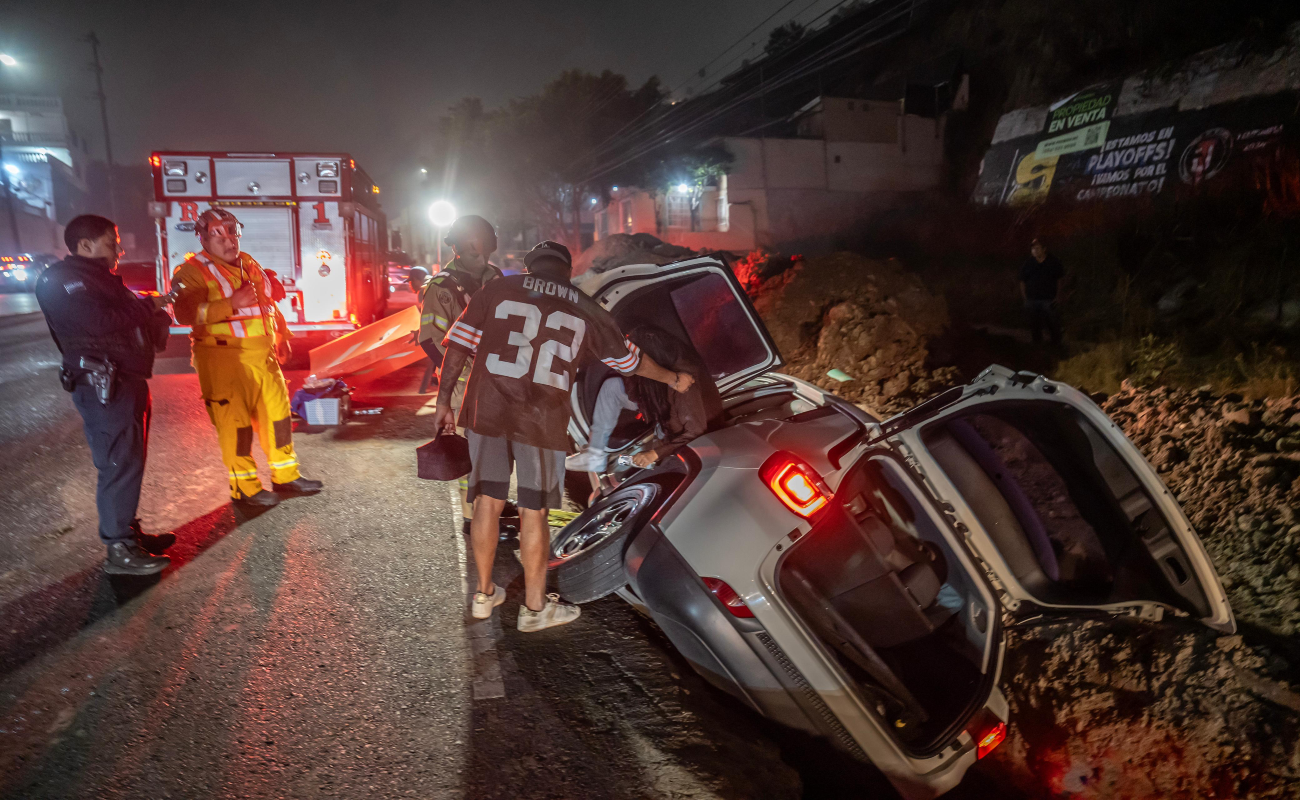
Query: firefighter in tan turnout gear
[(445, 296), (239, 339)]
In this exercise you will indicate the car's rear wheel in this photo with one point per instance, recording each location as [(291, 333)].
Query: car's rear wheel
[(587, 554)]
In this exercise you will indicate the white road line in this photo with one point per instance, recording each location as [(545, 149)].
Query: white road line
[(483, 634)]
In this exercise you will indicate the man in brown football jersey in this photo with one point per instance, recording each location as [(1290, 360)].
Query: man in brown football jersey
[(528, 334)]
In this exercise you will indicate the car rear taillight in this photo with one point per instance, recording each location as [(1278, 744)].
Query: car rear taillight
[(795, 484), (991, 739), (728, 597)]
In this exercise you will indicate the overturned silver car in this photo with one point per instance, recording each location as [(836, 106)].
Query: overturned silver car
[(853, 577)]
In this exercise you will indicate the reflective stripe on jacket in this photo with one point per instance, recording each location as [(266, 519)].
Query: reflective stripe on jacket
[(243, 322)]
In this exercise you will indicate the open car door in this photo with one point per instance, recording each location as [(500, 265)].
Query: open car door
[(1061, 507), (699, 302)]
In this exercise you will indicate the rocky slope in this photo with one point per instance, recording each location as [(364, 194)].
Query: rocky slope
[(869, 319), (1235, 467)]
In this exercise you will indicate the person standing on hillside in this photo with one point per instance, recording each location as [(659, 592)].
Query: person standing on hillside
[(1040, 289)]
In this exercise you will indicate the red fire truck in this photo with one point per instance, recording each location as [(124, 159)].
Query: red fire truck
[(312, 218)]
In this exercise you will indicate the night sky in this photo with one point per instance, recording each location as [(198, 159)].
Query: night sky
[(369, 77)]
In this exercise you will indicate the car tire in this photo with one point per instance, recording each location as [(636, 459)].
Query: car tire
[(587, 554)]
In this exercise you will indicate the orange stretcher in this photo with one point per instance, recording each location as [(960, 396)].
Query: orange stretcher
[(377, 349)]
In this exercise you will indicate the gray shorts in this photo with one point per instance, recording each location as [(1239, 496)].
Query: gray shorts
[(541, 472)]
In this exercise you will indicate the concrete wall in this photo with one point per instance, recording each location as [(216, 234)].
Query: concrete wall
[(784, 190), (796, 188), (842, 119)]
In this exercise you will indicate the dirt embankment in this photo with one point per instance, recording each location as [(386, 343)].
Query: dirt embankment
[(869, 319), (1235, 468)]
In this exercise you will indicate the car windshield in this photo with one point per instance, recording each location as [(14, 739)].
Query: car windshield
[(1069, 517), (891, 599)]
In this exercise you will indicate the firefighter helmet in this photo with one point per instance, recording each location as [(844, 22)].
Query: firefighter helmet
[(466, 227), (217, 218)]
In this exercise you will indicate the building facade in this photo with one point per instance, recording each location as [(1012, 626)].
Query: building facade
[(43, 164), (848, 159)]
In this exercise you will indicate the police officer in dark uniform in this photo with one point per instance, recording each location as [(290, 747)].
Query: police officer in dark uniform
[(108, 337)]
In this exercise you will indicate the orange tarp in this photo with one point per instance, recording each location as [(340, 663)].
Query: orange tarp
[(377, 349)]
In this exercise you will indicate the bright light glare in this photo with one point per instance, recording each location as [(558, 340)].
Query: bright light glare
[(681, 187), (593, 201), (442, 213), (424, 171), (8, 60), (20, 274), (800, 488), (11, 169)]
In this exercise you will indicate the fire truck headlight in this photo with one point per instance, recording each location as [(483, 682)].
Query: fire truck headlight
[(324, 270), (20, 274)]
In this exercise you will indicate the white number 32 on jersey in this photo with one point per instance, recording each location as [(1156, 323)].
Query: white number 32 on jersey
[(550, 350)]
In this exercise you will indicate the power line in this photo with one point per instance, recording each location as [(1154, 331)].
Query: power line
[(843, 50), (799, 69), (802, 68), (793, 17), (610, 142), (599, 148), (747, 34)]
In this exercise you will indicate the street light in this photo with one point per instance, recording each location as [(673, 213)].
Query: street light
[(8, 60), (441, 214)]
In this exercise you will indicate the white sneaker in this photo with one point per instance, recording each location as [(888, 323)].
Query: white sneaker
[(483, 604), (587, 461), (556, 612)]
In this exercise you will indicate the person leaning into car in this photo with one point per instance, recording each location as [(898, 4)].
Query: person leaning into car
[(108, 337), (529, 334)]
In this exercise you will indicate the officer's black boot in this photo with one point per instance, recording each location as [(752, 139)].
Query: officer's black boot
[(263, 499), (298, 487), (156, 543), (129, 558)]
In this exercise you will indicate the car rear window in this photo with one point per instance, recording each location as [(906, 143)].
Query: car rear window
[(719, 326)]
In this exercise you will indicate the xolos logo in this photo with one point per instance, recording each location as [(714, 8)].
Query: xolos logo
[(1205, 156)]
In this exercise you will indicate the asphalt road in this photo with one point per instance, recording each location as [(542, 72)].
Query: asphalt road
[(322, 648)]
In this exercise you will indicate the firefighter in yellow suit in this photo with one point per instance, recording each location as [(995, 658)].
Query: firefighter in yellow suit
[(239, 339)]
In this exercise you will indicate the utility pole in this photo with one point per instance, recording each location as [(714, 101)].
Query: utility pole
[(103, 115)]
